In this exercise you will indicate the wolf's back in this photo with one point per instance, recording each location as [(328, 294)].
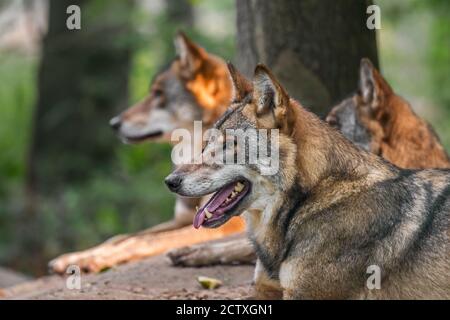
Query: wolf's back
[(424, 234)]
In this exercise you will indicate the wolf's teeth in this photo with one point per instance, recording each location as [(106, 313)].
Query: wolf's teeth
[(208, 214), (239, 187)]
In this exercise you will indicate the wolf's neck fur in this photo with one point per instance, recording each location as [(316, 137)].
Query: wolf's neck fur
[(408, 141), (324, 153), (212, 88), (324, 160)]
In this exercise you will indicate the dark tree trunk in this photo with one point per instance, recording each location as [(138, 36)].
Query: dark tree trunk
[(82, 83), (313, 47), (180, 13), (179, 16)]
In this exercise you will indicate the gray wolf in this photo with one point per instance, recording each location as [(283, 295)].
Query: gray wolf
[(331, 211)]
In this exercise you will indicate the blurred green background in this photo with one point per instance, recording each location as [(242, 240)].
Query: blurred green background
[(128, 194)]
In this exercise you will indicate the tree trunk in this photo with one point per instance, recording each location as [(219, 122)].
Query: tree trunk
[(82, 82), (178, 16), (180, 13), (313, 47)]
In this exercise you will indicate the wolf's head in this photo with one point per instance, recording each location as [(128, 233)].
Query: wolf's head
[(194, 86), (260, 105), (361, 117)]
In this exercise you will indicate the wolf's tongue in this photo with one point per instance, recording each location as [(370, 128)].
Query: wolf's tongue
[(219, 197), (199, 218), (216, 200)]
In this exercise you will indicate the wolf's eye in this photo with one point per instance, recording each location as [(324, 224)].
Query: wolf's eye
[(157, 93)]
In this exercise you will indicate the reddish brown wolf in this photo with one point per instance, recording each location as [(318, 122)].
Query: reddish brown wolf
[(331, 213), (194, 86), (378, 120)]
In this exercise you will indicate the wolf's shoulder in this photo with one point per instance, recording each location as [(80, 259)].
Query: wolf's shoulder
[(435, 178), (440, 176)]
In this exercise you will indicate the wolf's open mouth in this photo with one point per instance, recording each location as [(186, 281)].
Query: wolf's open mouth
[(135, 139), (221, 203)]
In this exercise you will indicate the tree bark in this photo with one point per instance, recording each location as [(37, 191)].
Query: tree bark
[(180, 13), (313, 47), (82, 83), (178, 16)]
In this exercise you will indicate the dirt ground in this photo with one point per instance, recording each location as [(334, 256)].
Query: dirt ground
[(9, 278), (153, 278)]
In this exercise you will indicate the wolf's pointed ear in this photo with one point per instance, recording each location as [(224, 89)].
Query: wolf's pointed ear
[(372, 86), (191, 55), (268, 92), (241, 85)]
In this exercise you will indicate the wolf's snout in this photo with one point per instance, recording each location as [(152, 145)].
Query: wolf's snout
[(332, 120), (173, 182), (115, 123)]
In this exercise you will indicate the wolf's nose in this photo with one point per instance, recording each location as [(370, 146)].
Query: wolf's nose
[(115, 123), (332, 120), (173, 182)]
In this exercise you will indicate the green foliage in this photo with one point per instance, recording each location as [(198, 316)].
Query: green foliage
[(439, 64), (415, 57), (17, 76), (439, 57)]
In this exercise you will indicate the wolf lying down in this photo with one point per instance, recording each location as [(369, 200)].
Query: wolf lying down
[(330, 212), (374, 118), (380, 121), (196, 86)]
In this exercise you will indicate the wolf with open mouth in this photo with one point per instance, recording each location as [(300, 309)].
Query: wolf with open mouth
[(330, 212), (194, 86)]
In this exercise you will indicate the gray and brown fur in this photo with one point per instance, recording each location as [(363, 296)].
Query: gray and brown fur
[(333, 209), (378, 120)]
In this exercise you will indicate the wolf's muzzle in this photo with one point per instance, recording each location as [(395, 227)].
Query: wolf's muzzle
[(115, 123)]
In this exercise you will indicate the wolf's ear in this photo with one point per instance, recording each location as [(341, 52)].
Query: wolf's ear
[(372, 86), (191, 55), (241, 86), (269, 95)]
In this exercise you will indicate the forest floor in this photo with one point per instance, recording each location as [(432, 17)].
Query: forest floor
[(153, 278)]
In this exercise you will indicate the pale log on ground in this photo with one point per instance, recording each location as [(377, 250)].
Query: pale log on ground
[(134, 247), (238, 250)]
